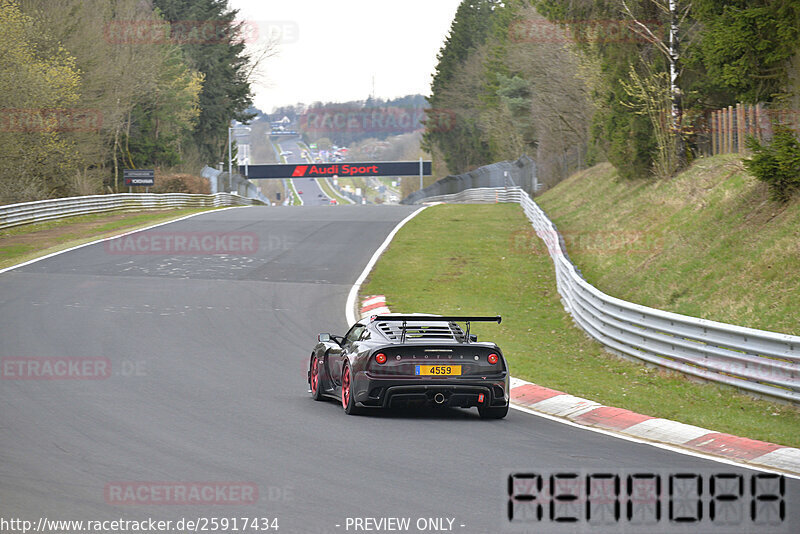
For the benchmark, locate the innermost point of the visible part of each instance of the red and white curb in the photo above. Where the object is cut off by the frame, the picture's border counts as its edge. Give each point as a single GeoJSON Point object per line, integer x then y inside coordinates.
{"type": "Point", "coordinates": [655, 429]}
{"type": "Point", "coordinates": [373, 305]}
{"type": "Point", "coordinates": [619, 421]}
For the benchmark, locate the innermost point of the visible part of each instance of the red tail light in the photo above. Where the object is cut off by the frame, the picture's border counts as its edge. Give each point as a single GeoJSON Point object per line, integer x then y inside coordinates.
{"type": "Point", "coordinates": [380, 357]}
{"type": "Point", "coordinates": [493, 358]}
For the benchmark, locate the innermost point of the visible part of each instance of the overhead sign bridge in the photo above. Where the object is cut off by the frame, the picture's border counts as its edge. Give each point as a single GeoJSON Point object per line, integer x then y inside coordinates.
{"type": "Point", "coordinates": [344, 170]}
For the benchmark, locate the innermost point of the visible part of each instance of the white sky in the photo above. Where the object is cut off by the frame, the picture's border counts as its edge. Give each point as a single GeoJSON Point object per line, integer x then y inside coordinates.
{"type": "Point", "coordinates": [331, 49]}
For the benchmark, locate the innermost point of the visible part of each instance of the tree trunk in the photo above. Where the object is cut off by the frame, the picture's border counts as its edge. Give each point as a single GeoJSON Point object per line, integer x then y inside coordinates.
{"type": "Point", "coordinates": [116, 163]}
{"type": "Point", "coordinates": [675, 92]}
{"type": "Point", "coordinates": [128, 138]}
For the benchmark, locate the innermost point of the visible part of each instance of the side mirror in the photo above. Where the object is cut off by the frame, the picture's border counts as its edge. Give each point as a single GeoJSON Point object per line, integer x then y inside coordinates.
{"type": "Point", "coordinates": [473, 338]}
{"type": "Point", "coordinates": [324, 338]}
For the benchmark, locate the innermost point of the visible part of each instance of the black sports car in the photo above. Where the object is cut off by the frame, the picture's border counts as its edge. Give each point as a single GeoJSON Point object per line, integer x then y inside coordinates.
{"type": "Point", "coordinates": [411, 360]}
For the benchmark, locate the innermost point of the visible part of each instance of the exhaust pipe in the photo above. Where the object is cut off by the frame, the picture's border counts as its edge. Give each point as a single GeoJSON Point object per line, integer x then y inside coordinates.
{"type": "Point", "coordinates": [438, 398]}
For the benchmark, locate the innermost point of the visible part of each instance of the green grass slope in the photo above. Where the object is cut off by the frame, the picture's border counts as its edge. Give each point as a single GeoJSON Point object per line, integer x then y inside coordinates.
{"type": "Point", "coordinates": [708, 243]}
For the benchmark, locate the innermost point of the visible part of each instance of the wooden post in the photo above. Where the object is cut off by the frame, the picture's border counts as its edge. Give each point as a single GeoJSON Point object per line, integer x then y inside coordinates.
{"type": "Point", "coordinates": [730, 129]}
{"type": "Point", "coordinates": [766, 120]}
{"type": "Point", "coordinates": [737, 110]}
{"type": "Point", "coordinates": [759, 129]}
{"type": "Point", "coordinates": [740, 128]}
{"type": "Point", "coordinates": [724, 131]}
{"type": "Point", "coordinates": [712, 126]}
{"type": "Point", "coordinates": [745, 123]}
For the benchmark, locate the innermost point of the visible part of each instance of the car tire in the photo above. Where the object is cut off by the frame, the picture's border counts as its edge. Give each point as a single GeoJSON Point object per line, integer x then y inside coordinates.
{"type": "Point", "coordinates": [493, 412]}
{"type": "Point", "coordinates": [348, 403]}
{"type": "Point", "coordinates": [315, 377]}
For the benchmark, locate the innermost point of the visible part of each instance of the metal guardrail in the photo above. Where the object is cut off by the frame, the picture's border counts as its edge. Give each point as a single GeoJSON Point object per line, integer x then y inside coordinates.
{"type": "Point", "coordinates": [352, 197]}
{"type": "Point", "coordinates": [57, 208]}
{"type": "Point", "coordinates": [237, 184]}
{"type": "Point", "coordinates": [520, 173]}
{"type": "Point", "coordinates": [761, 362]}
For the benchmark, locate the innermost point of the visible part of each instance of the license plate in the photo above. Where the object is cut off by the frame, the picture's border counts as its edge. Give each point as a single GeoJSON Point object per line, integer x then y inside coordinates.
{"type": "Point", "coordinates": [438, 370]}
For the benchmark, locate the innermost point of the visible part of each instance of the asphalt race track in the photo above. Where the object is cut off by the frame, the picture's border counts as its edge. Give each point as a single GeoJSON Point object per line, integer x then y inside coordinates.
{"type": "Point", "coordinates": [208, 357]}
{"type": "Point", "coordinates": [309, 186]}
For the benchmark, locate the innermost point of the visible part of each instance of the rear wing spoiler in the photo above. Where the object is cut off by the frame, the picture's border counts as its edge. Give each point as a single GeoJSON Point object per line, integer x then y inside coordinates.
{"type": "Point", "coordinates": [437, 318]}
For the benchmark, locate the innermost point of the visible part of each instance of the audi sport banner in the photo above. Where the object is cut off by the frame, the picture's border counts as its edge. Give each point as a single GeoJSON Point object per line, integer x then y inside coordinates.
{"type": "Point", "coordinates": [329, 170]}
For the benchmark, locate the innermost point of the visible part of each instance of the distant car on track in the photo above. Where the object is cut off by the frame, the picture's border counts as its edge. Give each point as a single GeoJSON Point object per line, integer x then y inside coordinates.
{"type": "Point", "coordinates": [397, 360]}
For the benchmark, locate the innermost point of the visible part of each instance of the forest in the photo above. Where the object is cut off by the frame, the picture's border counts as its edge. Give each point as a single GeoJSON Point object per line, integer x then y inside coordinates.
{"type": "Point", "coordinates": [90, 87]}
{"type": "Point", "coordinates": [576, 82]}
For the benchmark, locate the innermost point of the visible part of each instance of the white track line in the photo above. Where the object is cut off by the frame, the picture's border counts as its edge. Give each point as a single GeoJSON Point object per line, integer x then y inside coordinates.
{"type": "Point", "coordinates": [673, 448]}
{"type": "Point", "coordinates": [113, 237]}
{"type": "Point", "coordinates": [350, 306]}
{"type": "Point", "coordinates": [332, 189]}
{"type": "Point", "coordinates": [294, 191]}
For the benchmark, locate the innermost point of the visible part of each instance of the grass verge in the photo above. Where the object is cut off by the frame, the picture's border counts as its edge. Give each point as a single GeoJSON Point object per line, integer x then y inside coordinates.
{"type": "Point", "coordinates": [296, 200]}
{"type": "Point", "coordinates": [331, 192]}
{"type": "Point", "coordinates": [491, 266]}
{"type": "Point", "coordinates": [277, 150]}
{"type": "Point", "coordinates": [357, 183]}
{"type": "Point", "coordinates": [23, 243]}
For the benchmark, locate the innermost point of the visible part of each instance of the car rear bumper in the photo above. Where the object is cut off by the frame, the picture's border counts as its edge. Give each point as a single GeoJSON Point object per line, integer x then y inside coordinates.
{"type": "Point", "coordinates": [453, 392]}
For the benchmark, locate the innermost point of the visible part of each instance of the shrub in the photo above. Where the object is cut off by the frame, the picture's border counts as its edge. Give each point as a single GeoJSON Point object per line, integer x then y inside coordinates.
{"type": "Point", "coordinates": [180, 183]}
{"type": "Point", "coordinates": [777, 163]}
{"type": "Point", "coordinates": [172, 185]}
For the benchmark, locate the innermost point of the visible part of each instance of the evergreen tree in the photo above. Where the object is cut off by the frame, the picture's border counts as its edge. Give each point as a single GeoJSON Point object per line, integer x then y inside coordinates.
{"type": "Point", "coordinates": [746, 46]}
{"type": "Point", "coordinates": [459, 140]}
{"type": "Point", "coordinates": [226, 93]}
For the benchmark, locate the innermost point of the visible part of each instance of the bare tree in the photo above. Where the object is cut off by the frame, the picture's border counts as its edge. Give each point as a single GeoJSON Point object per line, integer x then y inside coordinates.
{"type": "Point", "coordinates": [670, 50]}
{"type": "Point", "coordinates": [560, 105]}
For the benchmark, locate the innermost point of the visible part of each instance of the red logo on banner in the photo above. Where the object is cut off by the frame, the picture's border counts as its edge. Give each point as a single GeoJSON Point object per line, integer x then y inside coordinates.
{"type": "Point", "coordinates": [300, 170]}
